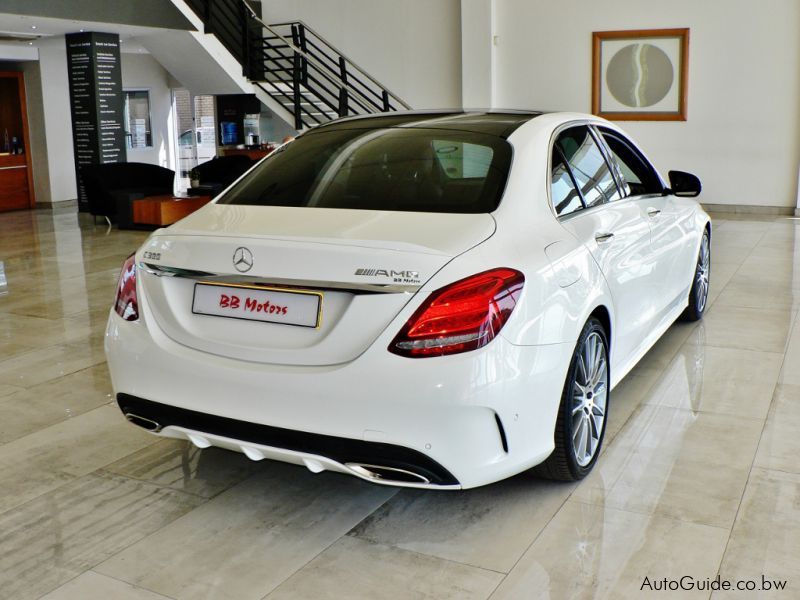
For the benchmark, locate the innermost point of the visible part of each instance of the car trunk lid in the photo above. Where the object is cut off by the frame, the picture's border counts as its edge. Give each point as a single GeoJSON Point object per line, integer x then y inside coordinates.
{"type": "Point", "coordinates": [347, 272]}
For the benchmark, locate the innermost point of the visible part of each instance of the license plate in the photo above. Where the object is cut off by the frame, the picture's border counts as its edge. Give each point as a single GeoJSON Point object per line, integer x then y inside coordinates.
{"type": "Point", "coordinates": [269, 305]}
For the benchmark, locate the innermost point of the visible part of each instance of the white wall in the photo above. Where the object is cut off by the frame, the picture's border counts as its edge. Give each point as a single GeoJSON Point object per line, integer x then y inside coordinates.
{"type": "Point", "coordinates": [413, 47]}
{"type": "Point", "coordinates": [143, 72]}
{"type": "Point", "coordinates": [57, 120]}
{"type": "Point", "coordinates": [36, 131]}
{"type": "Point", "coordinates": [476, 53]}
{"type": "Point", "coordinates": [742, 136]}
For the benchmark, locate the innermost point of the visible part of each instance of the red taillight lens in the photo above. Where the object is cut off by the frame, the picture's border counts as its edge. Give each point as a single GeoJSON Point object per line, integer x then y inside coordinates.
{"type": "Point", "coordinates": [462, 316]}
{"type": "Point", "coordinates": [126, 303]}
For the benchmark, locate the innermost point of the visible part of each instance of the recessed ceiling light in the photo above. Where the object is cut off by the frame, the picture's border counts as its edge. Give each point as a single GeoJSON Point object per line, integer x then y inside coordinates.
{"type": "Point", "coordinates": [81, 30]}
{"type": "Point", "coordinates": [33, 26]}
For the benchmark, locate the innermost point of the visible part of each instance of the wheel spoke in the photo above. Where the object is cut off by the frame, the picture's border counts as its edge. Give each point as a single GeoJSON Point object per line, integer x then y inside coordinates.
{"type": "Point", "coordinates": [598, 420]}
{"type": "Point", "coordinates": [577, 431]}
{"type": "Point", "coordinates": [587, 368]}
{"type": "Point", "coordinates": [600, 373]}
{"type": "Point", "coordinates": [592, 445]}
{"type": "Point", "coordinates": [582, 370]}
{"type": "Point", "coordinates": [588, 357]}
{"type": "Point", "coordinates": [600, 399]}
{"type": "Point", "coordinates": [584, 438]}
{"type": "Point", "coordinates": [599, 388]}
{"type": "Point", "coordinates": [598, 363]}
{"type": "Point", "coordinates": [594, 437]}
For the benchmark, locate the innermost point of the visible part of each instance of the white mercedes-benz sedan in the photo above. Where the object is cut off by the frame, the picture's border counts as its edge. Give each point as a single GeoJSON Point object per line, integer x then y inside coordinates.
{"type": "Point", "coordinates": [424, 299]}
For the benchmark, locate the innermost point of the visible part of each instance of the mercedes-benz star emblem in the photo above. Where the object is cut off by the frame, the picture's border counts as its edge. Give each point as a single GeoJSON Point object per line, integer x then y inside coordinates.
{"type": "Point", "coordinates": [243, 259]}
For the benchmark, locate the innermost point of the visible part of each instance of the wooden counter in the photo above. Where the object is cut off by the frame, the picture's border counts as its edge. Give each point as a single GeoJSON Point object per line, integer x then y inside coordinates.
{"type": "Point", "coordinates": [165, 210]}
{"type": "Point", "coordinates": [14, 190]}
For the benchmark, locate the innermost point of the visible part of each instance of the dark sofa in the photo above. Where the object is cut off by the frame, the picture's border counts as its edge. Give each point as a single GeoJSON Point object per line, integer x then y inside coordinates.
{"type": "Point", "coordinates": [218, 173]}
{"type": "Point", "coordinates": [112, 188]}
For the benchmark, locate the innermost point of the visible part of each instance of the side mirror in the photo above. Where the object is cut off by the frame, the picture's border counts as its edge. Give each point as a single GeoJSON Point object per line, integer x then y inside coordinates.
{"type": "Point", "coordinates": [684, 185]}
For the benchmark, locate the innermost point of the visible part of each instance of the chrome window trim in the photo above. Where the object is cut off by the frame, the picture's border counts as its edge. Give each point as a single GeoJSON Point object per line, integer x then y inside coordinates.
{"type": "Point", "coordinates": [358, 288]}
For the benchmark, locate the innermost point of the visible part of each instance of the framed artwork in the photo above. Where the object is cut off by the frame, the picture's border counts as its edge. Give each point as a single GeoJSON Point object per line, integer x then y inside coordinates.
{"type": "Point", "coordinates": [640, 75]}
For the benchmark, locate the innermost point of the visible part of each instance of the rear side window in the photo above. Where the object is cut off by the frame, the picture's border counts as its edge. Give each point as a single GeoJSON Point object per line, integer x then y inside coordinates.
{"type": "Point", "coordinates": [393, 169]}
{"type": "Point", "coordinates": [588, 165]}
{"type": "Point", "coordinates": [639, 177]}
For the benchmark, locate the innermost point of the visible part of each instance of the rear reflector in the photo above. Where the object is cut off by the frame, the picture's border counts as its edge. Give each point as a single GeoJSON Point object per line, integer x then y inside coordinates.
{"type": "Point", "coordinates": [462, 316]}
{"type": "Point", "coordinates": [126, 303]}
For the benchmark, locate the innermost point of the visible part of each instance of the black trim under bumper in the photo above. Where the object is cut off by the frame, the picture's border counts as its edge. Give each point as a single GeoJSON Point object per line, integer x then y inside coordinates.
{"type": "Point", "coordinates": [342, 450]}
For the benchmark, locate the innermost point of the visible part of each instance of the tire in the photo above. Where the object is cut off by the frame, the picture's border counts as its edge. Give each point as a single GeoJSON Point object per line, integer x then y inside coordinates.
{"type": "Point", "coordinates": [580, 426]}
{"type": "Point", "coordinates": [698, 295]}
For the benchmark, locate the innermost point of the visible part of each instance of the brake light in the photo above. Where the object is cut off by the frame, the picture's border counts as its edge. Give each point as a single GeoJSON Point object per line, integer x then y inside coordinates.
{"type": "Point", "coordinates": [126, 303]}
{"type": "Point", "coordinates": [462, 316]}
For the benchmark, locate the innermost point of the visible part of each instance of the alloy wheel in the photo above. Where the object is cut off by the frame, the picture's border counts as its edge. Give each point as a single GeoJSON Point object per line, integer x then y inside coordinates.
{"type": "Point", "coordinates": [702, 274]}
{"type": "Point", "coordinates": [589, 396]}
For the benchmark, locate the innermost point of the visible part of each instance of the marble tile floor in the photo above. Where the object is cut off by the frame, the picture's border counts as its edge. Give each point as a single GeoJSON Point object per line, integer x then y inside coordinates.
{"type": "Point", "coordinates": [700, 475]}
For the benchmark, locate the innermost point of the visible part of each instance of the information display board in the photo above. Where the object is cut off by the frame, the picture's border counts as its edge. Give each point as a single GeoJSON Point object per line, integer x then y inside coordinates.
{"type": "Point", "coordinates": [97, 101]}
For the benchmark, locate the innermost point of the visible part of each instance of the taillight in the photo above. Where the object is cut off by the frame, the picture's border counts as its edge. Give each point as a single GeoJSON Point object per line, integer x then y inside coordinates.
{"type": "Point", "coordinates": [462, 316]}
{"type": "Point", "coordinates": [126, 303]}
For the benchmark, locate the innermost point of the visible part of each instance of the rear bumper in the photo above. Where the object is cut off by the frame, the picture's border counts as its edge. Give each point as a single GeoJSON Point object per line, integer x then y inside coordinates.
{"type": "Point", "coordinates": [264, 441]}
{"type": "Point", "coordinates": [462, 421]}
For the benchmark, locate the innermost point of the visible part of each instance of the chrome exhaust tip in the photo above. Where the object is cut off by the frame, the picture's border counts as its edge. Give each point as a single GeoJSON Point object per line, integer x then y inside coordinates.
{"type": "Point", "coordinates": [143, 422]}
{"type": "Point", "coordinates": [390, 475]}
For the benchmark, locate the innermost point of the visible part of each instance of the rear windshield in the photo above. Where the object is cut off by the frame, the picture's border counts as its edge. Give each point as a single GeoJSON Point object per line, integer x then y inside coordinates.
{"type": "Point", "coordinates": [427, 170]}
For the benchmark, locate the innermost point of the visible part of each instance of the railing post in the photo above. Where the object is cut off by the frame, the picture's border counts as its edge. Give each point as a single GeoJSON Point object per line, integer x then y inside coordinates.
{"type": "Point", "coordinates": [301, 31]}
{"type": "Point", "coordinates": [246, 67]}
{"type": "Point", "coordinates": [207, 28]}
{"type": "Point", "coordinates": [298, 118]}
{"type": "Point", "coordinates": [385, 96]}
{"type": "Point", "coordinates": [343, 94]}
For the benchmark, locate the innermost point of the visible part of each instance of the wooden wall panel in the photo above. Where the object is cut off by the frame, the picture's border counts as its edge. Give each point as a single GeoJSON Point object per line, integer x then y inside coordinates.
{"type": "Point", "coordinates": [16, 176]}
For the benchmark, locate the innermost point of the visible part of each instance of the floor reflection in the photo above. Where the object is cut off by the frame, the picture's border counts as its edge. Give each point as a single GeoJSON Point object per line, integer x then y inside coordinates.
{"type": "Point", "coordinates": [699, 474]}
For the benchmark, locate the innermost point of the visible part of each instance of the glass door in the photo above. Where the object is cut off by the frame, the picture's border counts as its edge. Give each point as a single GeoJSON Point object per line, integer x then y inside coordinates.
{"type": "Point", "coordinates": [196, 125]}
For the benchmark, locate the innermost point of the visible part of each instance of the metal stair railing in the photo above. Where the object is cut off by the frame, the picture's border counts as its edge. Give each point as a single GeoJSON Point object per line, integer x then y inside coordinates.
{"type": "Point", "coordinates": [374, 94]}
{"type": "Point", "coordinates": [295, 65]}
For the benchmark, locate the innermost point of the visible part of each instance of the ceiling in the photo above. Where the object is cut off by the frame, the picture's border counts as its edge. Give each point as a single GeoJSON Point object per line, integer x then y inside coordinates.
{"type": "Point", "coordinates": [27, 30]}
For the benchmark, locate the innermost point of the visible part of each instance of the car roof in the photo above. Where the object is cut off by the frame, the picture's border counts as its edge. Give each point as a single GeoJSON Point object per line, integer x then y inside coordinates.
{"type": "Point", "coordinates": [501, 123]}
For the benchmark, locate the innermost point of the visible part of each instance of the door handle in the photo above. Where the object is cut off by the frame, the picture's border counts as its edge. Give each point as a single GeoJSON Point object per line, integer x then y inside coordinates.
{"type": "Point", "coordinates": [601, 238]}
{"type": "Point", "coordinates": [653, 212]}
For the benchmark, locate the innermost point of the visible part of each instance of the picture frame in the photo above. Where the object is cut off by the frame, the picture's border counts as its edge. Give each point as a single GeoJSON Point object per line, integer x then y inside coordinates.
{"type": "Point", "coordinates": [640, 75]}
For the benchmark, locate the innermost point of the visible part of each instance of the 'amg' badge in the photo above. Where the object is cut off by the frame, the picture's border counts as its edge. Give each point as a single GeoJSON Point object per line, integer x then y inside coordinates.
{"type": "Point", "coordinates": [243, 259]}
{"type": "Point", "coordinates": [396, 276]}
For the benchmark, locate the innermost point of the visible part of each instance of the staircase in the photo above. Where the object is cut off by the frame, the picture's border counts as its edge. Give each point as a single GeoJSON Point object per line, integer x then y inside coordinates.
{"type": "Point", "coordinates": [294, 65]}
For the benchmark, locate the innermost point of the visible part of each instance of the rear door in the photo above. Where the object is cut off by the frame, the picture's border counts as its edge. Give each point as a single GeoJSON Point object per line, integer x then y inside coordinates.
{"type": "Point", "coordinates": [617, 233]}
